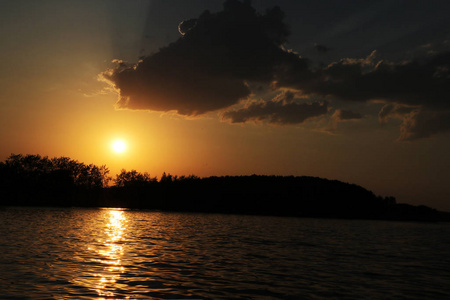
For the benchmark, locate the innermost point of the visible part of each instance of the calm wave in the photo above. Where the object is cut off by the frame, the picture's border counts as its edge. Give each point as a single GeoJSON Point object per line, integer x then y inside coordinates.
{"type": "Point", "coordinates": [122, 254]}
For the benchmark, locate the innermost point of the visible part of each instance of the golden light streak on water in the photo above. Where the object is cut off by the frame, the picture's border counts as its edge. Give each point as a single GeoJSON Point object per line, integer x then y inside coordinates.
{"type": "Point", "coordinates": [111, 252]}
{"type": "Point", "coordinates": [71, 253]}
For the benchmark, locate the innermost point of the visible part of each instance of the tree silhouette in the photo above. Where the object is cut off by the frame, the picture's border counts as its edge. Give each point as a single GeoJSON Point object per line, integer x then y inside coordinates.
{"type": "Point", "coordinates": [133, 178]}
{"type": "Point", "coordinates": [61, 181]}
{"type": "Point", "coordinates": [33, 179]}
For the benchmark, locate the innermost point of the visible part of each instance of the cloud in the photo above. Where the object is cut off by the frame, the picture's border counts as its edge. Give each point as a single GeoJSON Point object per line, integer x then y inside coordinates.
{"type": "Point", "coordinates": [281, 110]}
{"type": "Point", "coordinates": [423, 81]}
{"type": "Point", "coordinates": [417, 122]}
{"type": "Point", "coordinates": [220, 57]}
{"type": "Point", "coordinates": [346, 115]}
{"type": "Point", "coordinates": [415, 91]}
{"type": "Point", "coordinates": [423, 124]}
{"type": "Point", "coordinates": [340, 115]}
{"type": "Point", "coordinates": [186, 25]}
{"type": "Point", "coordinates": [390, 111]}
{"type": "Point", "coordinates": [208, 68]}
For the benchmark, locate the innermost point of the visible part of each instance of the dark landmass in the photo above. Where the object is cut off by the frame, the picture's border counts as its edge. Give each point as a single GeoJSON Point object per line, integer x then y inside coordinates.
{"type": "Point", "coordinates": [32, 180]}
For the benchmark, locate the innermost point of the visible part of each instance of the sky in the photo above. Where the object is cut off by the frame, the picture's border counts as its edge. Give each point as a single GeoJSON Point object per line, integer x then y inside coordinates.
{"type": "Point", "coordinates": [356, 91]}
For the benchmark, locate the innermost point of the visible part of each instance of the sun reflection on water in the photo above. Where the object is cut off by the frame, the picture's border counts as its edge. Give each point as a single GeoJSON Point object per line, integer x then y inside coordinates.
{"type": "Point", "coordinates": [111, 252]}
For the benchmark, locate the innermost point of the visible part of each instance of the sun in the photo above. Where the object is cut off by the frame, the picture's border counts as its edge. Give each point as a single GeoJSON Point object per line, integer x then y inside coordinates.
{"type": "Point", "coordinates": [119, 146]}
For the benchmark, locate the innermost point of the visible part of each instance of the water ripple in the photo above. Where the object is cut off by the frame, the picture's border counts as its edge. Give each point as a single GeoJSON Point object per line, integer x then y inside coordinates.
{"type": "Point", "coordinates": [121, 254]}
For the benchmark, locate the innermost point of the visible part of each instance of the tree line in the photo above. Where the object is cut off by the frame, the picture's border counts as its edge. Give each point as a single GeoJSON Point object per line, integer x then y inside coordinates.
{"type": "Point", "coordinates": [41, 181]}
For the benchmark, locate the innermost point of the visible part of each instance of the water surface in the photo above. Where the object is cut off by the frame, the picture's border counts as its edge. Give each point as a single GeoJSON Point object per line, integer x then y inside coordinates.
{"type": "Point", "coordinates": [123, 254]}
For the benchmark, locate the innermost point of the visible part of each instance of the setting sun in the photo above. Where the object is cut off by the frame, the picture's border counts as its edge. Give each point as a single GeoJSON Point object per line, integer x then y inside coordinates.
{"type": "Point", "coordinates": [157, 149]}
{"type": "Point", "coordinates": [119, 146]}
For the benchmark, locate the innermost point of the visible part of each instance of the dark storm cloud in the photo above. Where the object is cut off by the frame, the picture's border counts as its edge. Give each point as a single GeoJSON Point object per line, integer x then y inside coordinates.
{"type": "Point", "coordinates": [281, 110]}
{"type": "Point", "coordinates": [207, 69]}
{"type": "Point", "coordinates": [416, 91]}
{"type": "Point", "coordinates": [418, 82]}
{"type": "Point", "coordinates": [222, 55]}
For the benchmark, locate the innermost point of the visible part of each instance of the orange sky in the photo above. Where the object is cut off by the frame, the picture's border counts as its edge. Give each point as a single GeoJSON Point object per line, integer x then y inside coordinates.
{"type": "Point", "coordinates": [51, 103]}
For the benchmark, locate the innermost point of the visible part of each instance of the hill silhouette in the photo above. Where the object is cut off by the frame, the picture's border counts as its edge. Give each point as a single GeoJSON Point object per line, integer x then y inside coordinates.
{"type": "Point", "coordinates": [32, 180]}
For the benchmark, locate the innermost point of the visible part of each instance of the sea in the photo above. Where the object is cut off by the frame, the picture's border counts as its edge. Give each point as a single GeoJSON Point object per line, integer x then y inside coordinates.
{"type": "Point", "coordinates": [77, 253]}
